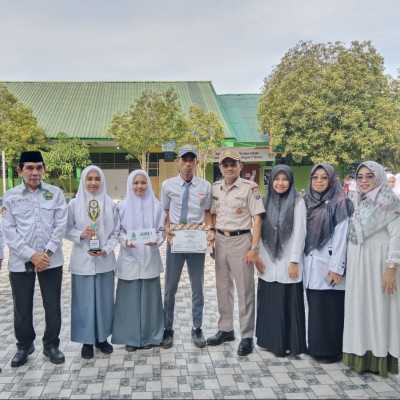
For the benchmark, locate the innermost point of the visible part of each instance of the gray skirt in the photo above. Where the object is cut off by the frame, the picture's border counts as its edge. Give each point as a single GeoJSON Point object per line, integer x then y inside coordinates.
{"type": "Point", "coordinates": [139, 314]}
{"type": "Point", "coordinates": [92, 307]}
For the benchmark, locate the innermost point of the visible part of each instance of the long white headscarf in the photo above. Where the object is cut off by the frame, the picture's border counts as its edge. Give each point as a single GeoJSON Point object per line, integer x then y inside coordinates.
{"type": "Point", "coordinates": [141, 212]}
{"type": "Point", "coordinates": [396, 188]}
{"type": "Point", "coordinates": [105, 222]}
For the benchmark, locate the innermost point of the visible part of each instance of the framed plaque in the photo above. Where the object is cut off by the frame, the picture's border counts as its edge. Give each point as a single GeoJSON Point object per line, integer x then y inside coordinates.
{"type": "Point", "coordinates": [191, 238]}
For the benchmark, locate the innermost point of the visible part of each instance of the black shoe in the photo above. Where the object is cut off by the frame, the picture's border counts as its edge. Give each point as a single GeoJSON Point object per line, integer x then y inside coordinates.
{"type": "Point", "coordinates": [147, 347]}
{"type": "Point", "coordinates": [104, 347]}
{"type": "Point", "coordinates": [198, 338]}
{"type": "Point", "coordinates": [128, 347]}
{"type": "Point", "coordinates": [87, 351]}
{"type": "Point", "coordinates": [221, 337]}
{"type": "Point", "coordinates": [168, 339]}
{"type": "Point", "coordinates": [245, 347]}
{"type": "Point", "coordinates": [54, 354]}
{"type": "Point", "coordinates": [21, 356]}
{"type": "Point", "coordinates": [329, 360]}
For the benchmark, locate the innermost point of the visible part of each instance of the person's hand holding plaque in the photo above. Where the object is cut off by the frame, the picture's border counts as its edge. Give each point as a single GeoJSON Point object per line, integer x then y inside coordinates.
{"type": "Point", "coordinates": [130, 244]}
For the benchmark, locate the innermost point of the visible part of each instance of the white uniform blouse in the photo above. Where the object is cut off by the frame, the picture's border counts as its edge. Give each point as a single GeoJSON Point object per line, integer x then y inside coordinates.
{"type": "Point", "coordinates": [332, 257]}
{"type": "Point", "coordinates": [293, 252]}
{"type": "Point", "coordinates": [1, 242]}
{"type": "Point", "coordinates": [129, 268]}
{"type": "Point", "coordinates": [81, 263]}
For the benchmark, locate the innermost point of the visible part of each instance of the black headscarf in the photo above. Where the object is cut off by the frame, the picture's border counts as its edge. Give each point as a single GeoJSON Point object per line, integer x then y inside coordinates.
{"type": "Point", "coordinates": [277, 221]}
{"type": "Point", "coordinates": [325, 210]}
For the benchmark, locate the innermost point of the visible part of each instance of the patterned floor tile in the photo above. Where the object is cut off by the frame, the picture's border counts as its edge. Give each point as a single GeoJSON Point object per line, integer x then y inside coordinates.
{"type": "Point", "coordinates": [182, 372]}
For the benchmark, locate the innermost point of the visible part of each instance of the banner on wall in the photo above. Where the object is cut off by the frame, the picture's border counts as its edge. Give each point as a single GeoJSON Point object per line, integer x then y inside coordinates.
{"type": "Point", "coordinates": [250, 154]}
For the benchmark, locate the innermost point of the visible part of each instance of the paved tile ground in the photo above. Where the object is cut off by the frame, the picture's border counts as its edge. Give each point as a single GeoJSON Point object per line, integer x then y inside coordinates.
{"type": "Point", "coordinates": [182, 372]}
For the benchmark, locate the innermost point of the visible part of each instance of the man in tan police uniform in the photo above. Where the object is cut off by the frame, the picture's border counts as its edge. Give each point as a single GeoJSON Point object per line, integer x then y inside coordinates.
{"type": "Point", "coordinates": [236, 207]}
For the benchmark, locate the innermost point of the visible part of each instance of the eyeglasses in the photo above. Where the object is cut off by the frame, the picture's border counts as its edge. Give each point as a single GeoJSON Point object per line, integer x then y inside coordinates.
{"type": "Point", "coordinates": [367, 177]}
{"type": "Point", "coordinates": [316, 178]}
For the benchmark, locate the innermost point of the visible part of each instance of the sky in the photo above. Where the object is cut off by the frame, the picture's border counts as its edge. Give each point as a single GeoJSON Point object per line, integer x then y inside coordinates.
{"type": "Point", "coordinates": [233, 43]}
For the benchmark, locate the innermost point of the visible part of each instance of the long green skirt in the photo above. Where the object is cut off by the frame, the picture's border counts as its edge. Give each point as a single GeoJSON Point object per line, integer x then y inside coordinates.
{"type": "Point", "coordinates": [368, 362]}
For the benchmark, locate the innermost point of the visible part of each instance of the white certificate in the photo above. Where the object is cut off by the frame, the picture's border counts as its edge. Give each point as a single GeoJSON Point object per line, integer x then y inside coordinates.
{"type": "Point", "coordinates": [142, 236]}
{"type": "Point", "coordinates": [189, 241]}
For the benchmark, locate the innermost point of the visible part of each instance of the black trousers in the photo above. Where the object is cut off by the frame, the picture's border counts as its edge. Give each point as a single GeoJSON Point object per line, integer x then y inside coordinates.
{"type": "Point", "coordinates": [22, 287]}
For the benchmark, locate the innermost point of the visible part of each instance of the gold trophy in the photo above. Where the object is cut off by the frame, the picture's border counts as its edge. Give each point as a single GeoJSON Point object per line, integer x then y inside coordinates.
{"type": "Point", "coordinates": [94, 212]}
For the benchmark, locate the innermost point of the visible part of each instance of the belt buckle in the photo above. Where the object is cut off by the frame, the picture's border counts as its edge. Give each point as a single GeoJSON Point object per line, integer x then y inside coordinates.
{"type": "Point", "coordinates": [227, 234]}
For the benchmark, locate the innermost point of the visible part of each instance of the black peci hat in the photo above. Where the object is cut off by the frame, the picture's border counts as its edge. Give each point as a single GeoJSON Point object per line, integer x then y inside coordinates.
{"type": "Point", "coordinates": [30, 156]}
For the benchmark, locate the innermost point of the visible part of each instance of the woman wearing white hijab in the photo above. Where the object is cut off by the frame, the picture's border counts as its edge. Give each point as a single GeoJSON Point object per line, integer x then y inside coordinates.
{"type": "Point", "coordinates": [371, 339]}
{"type": "Point", "coordinates": [139, 315]}
{"type": "Point", "coordinates": [396, 188]}
{"type": "Point", "coordinates": [391, 180]}
{"type": "Point", "coordinates": [92, 281]}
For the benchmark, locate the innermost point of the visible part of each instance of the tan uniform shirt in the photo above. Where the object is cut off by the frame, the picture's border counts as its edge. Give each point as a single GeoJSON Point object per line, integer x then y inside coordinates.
{"type": "Point", "coordinates": [236, 204]}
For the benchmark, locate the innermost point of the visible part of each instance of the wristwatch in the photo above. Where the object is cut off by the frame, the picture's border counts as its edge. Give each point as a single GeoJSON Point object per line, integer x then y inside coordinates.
{"type": "Point", "coordinates": [48, 252]}
{"type": "Point", "coordinates": [256, 249]}
{"type": "Point", "coordinates": [391, 265]}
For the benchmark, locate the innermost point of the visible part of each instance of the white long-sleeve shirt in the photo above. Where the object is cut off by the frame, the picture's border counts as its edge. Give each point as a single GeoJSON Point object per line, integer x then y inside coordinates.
{"type": "Point", "coordinates": [32, 222]}
{"type": "Point", "coordinates": [332, 257]}
{"type": "Point", "coordinates": [293, 252]}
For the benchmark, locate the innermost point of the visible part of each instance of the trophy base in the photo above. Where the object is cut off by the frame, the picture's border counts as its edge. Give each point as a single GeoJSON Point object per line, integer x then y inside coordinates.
{"type": "Point", "coordinates": [94, 245]}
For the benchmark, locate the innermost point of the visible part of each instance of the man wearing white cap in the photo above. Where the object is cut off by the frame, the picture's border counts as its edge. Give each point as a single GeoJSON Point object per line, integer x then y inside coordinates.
{"type": "Point", "coordinates": [186, 200]}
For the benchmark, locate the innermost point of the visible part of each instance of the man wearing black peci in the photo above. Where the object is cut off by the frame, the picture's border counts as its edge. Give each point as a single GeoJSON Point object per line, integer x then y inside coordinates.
{"type": "Point", "coordinates": [34, 218]}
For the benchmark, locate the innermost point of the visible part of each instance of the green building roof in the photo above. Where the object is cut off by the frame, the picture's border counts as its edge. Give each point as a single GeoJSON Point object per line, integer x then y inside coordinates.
{"type": "Point", "coordinates": [240, 114]}
{"type": "Point", "coordinates": [85, 109]}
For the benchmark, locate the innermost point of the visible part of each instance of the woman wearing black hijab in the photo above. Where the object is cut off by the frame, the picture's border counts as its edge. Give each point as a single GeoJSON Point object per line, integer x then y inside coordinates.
{"type": "Point", "coordinates": [280, 326]}
{"type": "Point", "coordinates": [328, 213]}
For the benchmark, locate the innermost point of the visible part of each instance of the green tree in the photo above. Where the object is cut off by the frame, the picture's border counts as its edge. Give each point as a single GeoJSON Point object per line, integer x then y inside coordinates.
{"type": "Point", "coordinates": [205, 133]}
{"type": "Point", "coordinates": [152, 119]}
{"type": "Point", "coordinates": [64, 157]}
{"type": "Point", "coordinates": [330, 103]}
{"type": "Point", "coordinates": [390, 153]}
{"type": "Point", "coordinates": [19, 130]}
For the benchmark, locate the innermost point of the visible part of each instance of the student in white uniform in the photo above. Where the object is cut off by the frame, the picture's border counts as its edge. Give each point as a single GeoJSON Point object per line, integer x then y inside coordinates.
{"type": "Point", "coordinates": [34, 219]}
{"type": "Point", "coordinates": [280, 326]}
{"type": "Point", "coordinates": [328, 212]}
{"type": "Point", "coordinates": [139, 314]}
{"type": "Point", "coordinates": [1, 245]}
{"type": "Point", "coordinates": [396, 188]}
{"type": "Point", "coordinates": [92, 279]}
